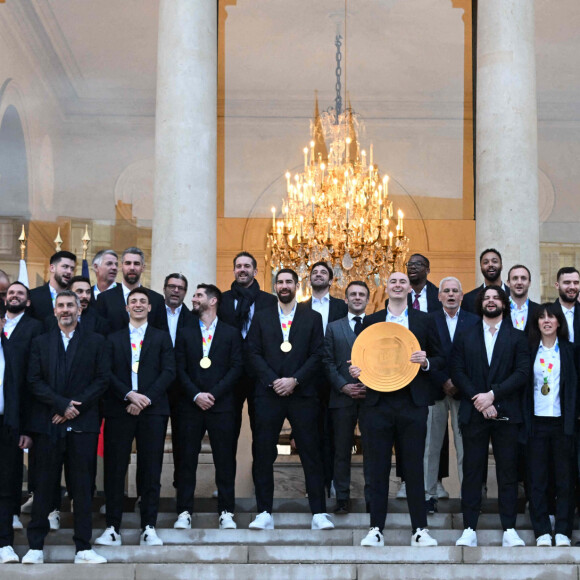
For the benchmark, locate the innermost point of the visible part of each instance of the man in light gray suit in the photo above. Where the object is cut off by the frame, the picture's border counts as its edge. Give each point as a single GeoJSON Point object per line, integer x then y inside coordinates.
{"type": "Point", "coordinates": [346, 395]}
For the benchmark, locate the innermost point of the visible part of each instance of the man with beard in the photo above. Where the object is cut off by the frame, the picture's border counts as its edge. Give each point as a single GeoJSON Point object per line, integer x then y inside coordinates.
{"type": "Point", "coordinates": [238, 307]}
{"type": "Point", "coordinates": [284, 347]}
{"type": "Point", "coordinates": [521, 307]}
{"type": "Point", "coordinates": [568, 286]}
{"type": "Point", "coordinates": [69, 371]}
{"type": "Point", "coordinates": [491, 267]}
{"type": "Point", "coordinates": [490, 367]}
{"type": "Point", "coordinates": [17, 335]}
{"type": "Point", "coordinates": [209, 363]}
{"type": "Point", "coordinates": [400, 415]}
{"type": "Point", "coordinates": [105, 266]}
{"type": "Point", "coordinates": [4, 283]}
{"type": "Point", "coordinates": [112, 304]}
{"type": "Point", "coordinates": [42, 299]}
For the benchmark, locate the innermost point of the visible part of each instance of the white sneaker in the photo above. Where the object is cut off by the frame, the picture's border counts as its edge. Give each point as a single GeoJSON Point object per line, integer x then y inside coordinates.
{"type": "Point", "coordinates": [468, 538]}
{"type": "Point", "coordinates": [263, 521]}
{"type": "Point", "coordinates": [109, 538]}
{"type": "Point", "coordinates": [545, 540]}
{"type": "Point", "coordinates": [33, 557]}
{"type": "Point", "coordinates": [226, 521]}
{"type": "Point", "coordinates": [149, 537]}
{"type": "Point", "coordinates": [16, 523]}
{"type": "Point", "coordinates": [89, 557]}
{"type": "Point", "coordinates": [183, 521]}
{"type": "Point", "coordinates": [103, 509]}
{"type": "Point", "coordinates": [562, 541]}
{"type": "Point", "coordinates": [511, 539]}
{"type": "Point", "coordinates": [402, 493]}
{"type": "Point", "coordinates": [8, 555]}
{"type": "Point", "coordinates": [321, 522]}
{"type": "Point", "coordinates": [442, 493]}
{"type": "Point", "coordinates": [373, 539]}
{"type": "Point", "coordinates": [54, 520]}
{"type": "Point", "coordinates": [26, 507]}
{"type": "Point", "coordinates": [422, 539]}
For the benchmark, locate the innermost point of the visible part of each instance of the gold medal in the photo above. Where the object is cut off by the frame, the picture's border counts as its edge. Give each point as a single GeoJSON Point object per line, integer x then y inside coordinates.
{"type": "Point", "coordinates": [286, 346]}
{"type": "Point", "coordinates": [205, 362]}
{"type": "Point", "coordinates": [545, 387]}
{"type": "Point", "coordinates": [135, 367]}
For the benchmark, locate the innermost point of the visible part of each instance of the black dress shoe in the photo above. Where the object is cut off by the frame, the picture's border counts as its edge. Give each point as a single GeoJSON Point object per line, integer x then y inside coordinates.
{"type": "Point", "coordinates": [431, 505]}
{"type": "Point", "coordinates": [342, 507]}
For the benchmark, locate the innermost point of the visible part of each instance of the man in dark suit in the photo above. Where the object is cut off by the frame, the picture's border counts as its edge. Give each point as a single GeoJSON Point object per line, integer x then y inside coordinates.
{"type": "Point", "coordinates": [68, 372]}
{"type": "Point", "coordinates": [424, 295]}
{"type": "Point", "coordinates": [42, 299]}
{"type": "Point", "coordinates": [237, 308]}
{"type": "Point", "coordinates": [15, 339]}
{"type": "Point", "coordinates": [451, 321]}
{"type": "Point", "coordinates": [346, 396]}
{"type": "Point", "coordinates": [19, 331]}
{"type": "Point", "coordinates": [522, 309]}
{"type": "Point", "coordinates": [209, 362]}
{"type": "Point", "coordinates": [490, 366]}
{"type": "Point", "coordinates": [283, 348]}
{"type": "Point", "coordinates": [136, 407]}
{"type": "Point", "coordinates": [105, 266]}
{"type": "Point", "coordinates": [400, 415]}
{"type": "Point", "coordinates": [112, 304]}
{"type": "Point", "coordinates": [491, 266]}
{"type": "Point", "coordinates": [568, 286]}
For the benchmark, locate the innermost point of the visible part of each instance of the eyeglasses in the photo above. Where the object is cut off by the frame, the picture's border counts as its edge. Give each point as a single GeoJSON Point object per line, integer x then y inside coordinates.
{"type": "Point", "coordinates": [175, 287]}
{"type": "Point", "coordinates": [415, 265]}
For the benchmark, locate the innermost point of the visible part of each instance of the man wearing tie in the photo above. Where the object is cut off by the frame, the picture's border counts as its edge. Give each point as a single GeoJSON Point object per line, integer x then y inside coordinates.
{"type": "Point", "coordinates": [568, 286]}
{"type": "Point", "coordinates": [209, 363]}
{"type": "Point", "coordinates": [451, 321]}
{"type": "Point", "coordinates": [136, 407]}
{"type": "Point", "coordinates": [490, 367]}
{"type": "Point", "coordinates": [346, 396]}
{"type": "Point", "coordinates": [284, 349]}
{"type": "Point", "coordinates": [424, 295]}
{"type": "Point", "coordinates": [522, 309]}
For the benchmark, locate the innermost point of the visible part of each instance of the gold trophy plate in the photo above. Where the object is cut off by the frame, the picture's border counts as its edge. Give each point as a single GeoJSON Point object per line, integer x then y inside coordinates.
{"type": "Point", "coordinates": [382, 352]}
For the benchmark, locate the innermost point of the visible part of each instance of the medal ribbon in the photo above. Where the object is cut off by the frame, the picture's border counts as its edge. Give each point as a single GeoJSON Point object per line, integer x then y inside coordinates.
{"type": "Point", "coordinates": [136, 351]}
{"type": "Point", "coordinates": [207, 335]}
{"type": "Point", "coordinates": [286, 322]}
{"type": "Point", "coordinates": [519, 322]}
{"type": "Point", "coordinates": [547, 371]}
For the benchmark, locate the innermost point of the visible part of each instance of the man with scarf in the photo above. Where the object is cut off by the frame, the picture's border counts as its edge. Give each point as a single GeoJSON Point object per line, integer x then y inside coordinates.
{"type": "Point", "coordinates": [238, 307]}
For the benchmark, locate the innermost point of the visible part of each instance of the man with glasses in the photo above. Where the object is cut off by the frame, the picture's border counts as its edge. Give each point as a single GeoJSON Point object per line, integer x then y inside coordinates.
{"type": "Point", "coordinates": [424, 295]}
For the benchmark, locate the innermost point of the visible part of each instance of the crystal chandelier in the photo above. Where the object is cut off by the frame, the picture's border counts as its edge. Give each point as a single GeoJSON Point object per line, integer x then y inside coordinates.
{"type": "Point", "coordinates": [337, 209]}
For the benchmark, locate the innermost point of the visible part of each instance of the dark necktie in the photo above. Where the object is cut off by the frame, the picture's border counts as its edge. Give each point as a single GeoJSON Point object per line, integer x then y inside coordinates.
{"type": "Point", "coordinates": [416, 304]}
{"type": "Point", "coordinates": [357, 324]}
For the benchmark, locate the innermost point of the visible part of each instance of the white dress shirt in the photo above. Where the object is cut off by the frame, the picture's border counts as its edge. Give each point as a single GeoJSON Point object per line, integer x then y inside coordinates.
{"type": "Point", "coordinates": [2, 369]}
{"type": "Point", "coordinates": [246, 327]}
{"type": "Point", "coordinates": [422, 298]}
{"type": "Point", "coordinates": [136, 335]}
{"type": "Point", "coordinates": [547, 405]}
{"type": "Point", "coordinates": [351, 319]}
{"type": "Point", "coordinates": [53, 294]}
{"type": "Point", "coordinates": [519, 315]}
{"type": "Point", "coordinates": [490, 339]}
{"type": "Point", "coordinates": [96, 290]}
{"type": "Point", "coordinates": [66, 339]}
{"type": "Point", "coordinates": [451, 322]}
{"type": "Point", "coordinates": [323, 307]}
{"type": "Point", "coordinates": [569, 314]}
{"type": "Point", "coordinates": [172, 320]}
{"type": "Point", "coordinates": [10, 325]}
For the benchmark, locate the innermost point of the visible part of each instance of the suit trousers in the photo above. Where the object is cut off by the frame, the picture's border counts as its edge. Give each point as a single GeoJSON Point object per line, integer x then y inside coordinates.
{"type": "Point", "coordinates": [302, 412]}
{"type": "Point", "coordinates": [549, 446]}
{"type": "Point", "coordinates": [244, 391]}
{"type": "Point", "coordinates": [10, 475]}
{"type": "Point", "coordinates": [436, 426]}
{"type": "Point", "coordinates": [344, 421]}
{"type": "Point", "coordinates": [149, 432]}
{"type": "Point", "coordinates": [76, 451]}
{"type": "Point", "coordinates": [221, 430]}
{"type": "Point", "coordinates": [504, 439]}
{"type": "Point", "coordinates": [395, 416]}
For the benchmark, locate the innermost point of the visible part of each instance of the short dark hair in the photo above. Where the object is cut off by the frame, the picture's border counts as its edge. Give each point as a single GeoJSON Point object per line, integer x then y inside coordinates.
{"type": "Point", "coordinates": [325, 265]}
{"type": "Point", "coordinates": [211, 291]}
{"type": "Point", "coordinates": [520, 266]}
{"type": "Point", "coordinates": [68, 294]}
{"type": "Point", "coordinates": [62, 255]}
{"type": "Point", "coordinates": [357, 283]}
{"type": "Point", "coordinates": [287, 271]}
{"type": "Point", "coordinates": [566, 270]}
{"type": "Point", "coordinates": [246, 255]}
{"type": "Point", "coordinates": [422, 257]}
{"type": "Point", "coordinates": [551, 309]}
{"type": "Point", "coordinates": [139, 290]}
{"type": "Point", "coordinates": [175, 275]}
{"type": "Point", "coordinates": [75, 279]}
{"type": "Point", "coordinates": [502, 296]}
{"type": "Point", "coordinates": [490, 250]}
{"type": "Point", "coordinates": [20, 284]}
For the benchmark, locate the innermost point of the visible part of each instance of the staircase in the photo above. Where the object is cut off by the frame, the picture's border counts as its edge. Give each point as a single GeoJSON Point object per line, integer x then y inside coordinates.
{"type": "Point", "coordinates": [293, 551]}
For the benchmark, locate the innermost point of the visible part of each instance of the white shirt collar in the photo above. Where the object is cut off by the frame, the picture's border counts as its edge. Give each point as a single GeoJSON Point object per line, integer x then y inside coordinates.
{"type": "Point", "coordinates": [351, 316]}
{"type": "Point", "coordinates": [140, 331]}
{"type": "Point", "coordinates": [177, 310]}
{"type": "Point", "coordinates": [452, 317]}
{"type": "Point", "coordinates": [324, 299]}
{"type": "Point", "coordinates": [486, 327]}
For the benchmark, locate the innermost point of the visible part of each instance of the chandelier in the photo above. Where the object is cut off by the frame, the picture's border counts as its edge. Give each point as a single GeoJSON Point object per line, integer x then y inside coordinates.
{"type": "Point", "coordinates": [337, 207]}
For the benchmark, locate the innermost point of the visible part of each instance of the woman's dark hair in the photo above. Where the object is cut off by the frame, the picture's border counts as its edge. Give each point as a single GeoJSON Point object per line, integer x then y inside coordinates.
{"type": "Point", "coordinates": [551, 309]}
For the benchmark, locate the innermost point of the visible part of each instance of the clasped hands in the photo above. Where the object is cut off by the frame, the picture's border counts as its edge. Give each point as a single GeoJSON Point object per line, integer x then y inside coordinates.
{"type": "Point", "coordinates": [285, 386]}
{"type": "Point", "coordinates": [70, 413]}
{"type": "Point", "coordinates": [137, 402]}
{"type": "Point", "coordinates": [483, 402]}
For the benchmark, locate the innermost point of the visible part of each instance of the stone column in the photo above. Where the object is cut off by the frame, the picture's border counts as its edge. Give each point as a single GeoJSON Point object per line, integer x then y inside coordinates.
{"type": "Point", "coordinates": [507, 143]}
{"type": "Point", "coordinates": [184, 222]}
